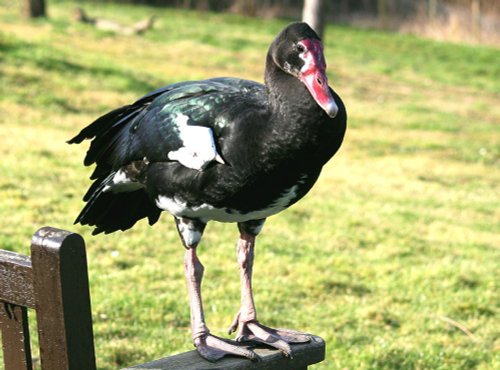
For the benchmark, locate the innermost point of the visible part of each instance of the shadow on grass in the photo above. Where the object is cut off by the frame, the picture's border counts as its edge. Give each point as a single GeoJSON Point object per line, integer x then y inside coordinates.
{"type": "Point", "coordinates": [40, 66]}
{"type": "Point", "coordinates": [131, 82]}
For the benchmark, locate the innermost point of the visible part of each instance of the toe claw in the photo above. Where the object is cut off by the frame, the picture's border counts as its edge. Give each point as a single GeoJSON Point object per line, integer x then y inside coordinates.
{"type": "Point", "coordinates": [234, 325]}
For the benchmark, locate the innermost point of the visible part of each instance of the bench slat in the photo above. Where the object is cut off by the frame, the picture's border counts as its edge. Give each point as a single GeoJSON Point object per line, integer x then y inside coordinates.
{"type": "Point", "coordinates": [15, 337]}
{"type": "Point", "coordinates": [16, 279]}
{"type": "Point", "coordinates": [303, 355]}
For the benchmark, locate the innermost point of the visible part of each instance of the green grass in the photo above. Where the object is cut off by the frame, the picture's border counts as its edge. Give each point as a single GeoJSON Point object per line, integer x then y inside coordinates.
{"type": "Point", "coordinates": [400, 234]}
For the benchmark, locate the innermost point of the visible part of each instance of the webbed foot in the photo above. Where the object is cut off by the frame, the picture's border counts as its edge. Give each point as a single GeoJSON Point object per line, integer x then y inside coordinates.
{"type": "Point", "coordinates": [253, 331]}
{"type": "Point", "coordinates": [213, 348]}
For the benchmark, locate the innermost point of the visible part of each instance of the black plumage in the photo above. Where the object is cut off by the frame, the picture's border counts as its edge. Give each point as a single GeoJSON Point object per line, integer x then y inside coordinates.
{"type": "Point", "coordinates": [263, 155]}
{"type": "Point", "coordinates": [222, 149]}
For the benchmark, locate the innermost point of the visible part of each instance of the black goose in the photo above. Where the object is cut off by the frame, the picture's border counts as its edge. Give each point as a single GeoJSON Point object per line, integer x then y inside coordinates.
{"type": "Point", "coordinates": [223, 149]}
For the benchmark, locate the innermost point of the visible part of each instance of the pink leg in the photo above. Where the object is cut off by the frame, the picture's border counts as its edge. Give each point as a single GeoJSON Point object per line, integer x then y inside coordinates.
{"type": "Point", "coordinates": [245, 253]}
{"type": "Point", "coordinates": [194, 273]}
{"type": "Point", "coordinates": [209, 346]}
{"type": "Point", "coordinates": [245, 324]}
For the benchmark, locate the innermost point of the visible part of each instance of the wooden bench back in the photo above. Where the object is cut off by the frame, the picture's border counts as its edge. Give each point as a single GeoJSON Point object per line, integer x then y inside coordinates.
{"type": "Point", "coordinates": [53, 282]}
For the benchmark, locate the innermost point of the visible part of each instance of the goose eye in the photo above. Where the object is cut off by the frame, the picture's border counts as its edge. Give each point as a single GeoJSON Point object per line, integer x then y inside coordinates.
{"type": "Point", "coordinates": [300, 48]}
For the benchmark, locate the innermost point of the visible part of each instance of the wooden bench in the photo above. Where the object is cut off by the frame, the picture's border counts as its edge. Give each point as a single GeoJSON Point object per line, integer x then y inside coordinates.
{"type": "Point", "coordinates": [54, 283]}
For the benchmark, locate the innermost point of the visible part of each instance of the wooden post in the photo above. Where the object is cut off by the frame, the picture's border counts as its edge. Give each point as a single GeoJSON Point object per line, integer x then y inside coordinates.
{"type": "Point", "coordinates": [476, 18]}
{"type": "Point", "coordinates": [34, 8]}
{"type": "Point", "coordinates": [382, 13]}
{"type": "Point", "coordinates": [432, 9]}
{"type": "Point", "coordinates": [62, 300]}
{"type": "Point", "coordinates": [313, 14]}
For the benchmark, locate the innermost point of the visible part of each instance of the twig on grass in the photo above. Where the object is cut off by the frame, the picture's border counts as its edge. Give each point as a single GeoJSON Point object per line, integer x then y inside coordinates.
{"type": "Point", "coordinates": [459, 326]}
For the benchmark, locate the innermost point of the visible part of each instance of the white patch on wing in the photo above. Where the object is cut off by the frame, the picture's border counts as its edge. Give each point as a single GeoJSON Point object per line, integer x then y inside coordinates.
{"type": "Point", "coordinates": [120, 177]}
{"type": "Point", "coordinates": [198, 147]}
{"type": "Point", "coordinates": [121, 183]}
{"type": "Point", "coordinates": [173, 205]}
{"type": "Point", "coordinates": [206, 212]}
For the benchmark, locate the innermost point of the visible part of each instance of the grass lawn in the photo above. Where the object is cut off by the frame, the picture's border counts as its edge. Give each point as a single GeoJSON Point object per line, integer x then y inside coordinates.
{"type": "Point", "coordinates": [392, 252]}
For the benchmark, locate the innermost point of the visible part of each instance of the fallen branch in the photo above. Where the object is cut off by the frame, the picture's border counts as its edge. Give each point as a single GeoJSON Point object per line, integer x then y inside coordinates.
{"type": "Point", "coordinates": [112, 26]}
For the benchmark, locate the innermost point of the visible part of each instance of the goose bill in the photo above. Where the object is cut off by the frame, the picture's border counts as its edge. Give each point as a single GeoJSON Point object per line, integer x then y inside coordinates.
{"type": "Point", "coordinates": [313, 75]}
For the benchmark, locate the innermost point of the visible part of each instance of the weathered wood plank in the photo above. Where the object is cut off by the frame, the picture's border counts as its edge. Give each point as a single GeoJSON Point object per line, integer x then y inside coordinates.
{"type": "Point", "coordinates": [16, 279]}
{"type": "Point", "coordinates": [303, 355]}
{"type": "Point", "coordinates": [15, 337]}
{"type": "Point", "coordinates": [62, 300]}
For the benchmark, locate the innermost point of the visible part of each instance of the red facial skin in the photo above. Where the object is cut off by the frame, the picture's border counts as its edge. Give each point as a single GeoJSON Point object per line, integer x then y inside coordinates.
{"type": "Point", "coordinates": [313, 75]}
